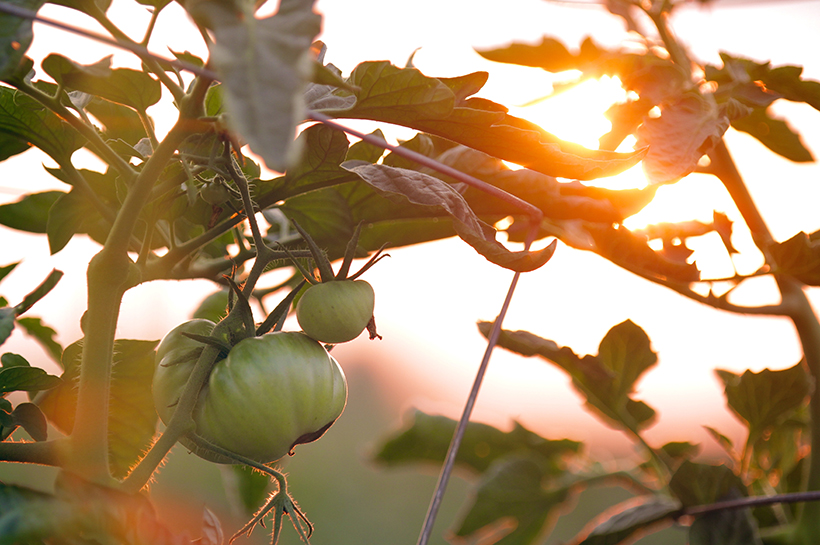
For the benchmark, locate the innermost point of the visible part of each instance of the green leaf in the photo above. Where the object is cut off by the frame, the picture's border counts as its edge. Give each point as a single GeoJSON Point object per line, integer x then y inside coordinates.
{"type": "Point", "coordinates": [701, 484]}
{"type": "Point", "coordinates": [730, 527]}
{"type": "Point", "coordinates": [251, 486]}
{"type": "Point", "coordinates": [10, 359]}
{"type": "Point", "coordinates": [42, 334]}
{"type": "Point", "coordinates": [550, 55]}
{"type": "Point", "coordinates": [213, 308]}
{"type": "Point", "coordinates": [512, 489]}
{"type": "Point", "coordinates": [426, 438]}
{"type": "Point", "coordinates": [71, 214]}
{"type": "Point", "coordinates": [121, 85]}
{"type": "Point", "coordinates": [120, 122]}
{"type": "Point", "coordinates": [606, 380]}
{"type": "Point", "coordinates": [7, 319]}
{"type": "Point", "coordinates": [5, 270]}
{"type": "Point", "coordinates": [325, 215]}
{"type": "Point", "coordinates": [24, 378]}
{"type": "Point", "coordinates": [425, 190]}
{"type": "Point", "coordinates": [29, 213]}
{"type": "Point", "coordinates": [39, 292]}
{"type": "Point", "coordinates": [765, 399]}
{"type": "Point", "coordinates": [16, 33]}
{"type": "Point", "coordinates": [132, 419]}
{"type": "Point", "coordinates": [26, 120]}
{"type": "Point", "coordinates": [687, 129]}
{"type": "Point", "coordinates": [775, 134]}
{"type": "Point", "coordinates": [633, 521]}
{"type": "Point", "coordinates": [31, 418]}
{"type": "Point", "coordinates": [264, 66]}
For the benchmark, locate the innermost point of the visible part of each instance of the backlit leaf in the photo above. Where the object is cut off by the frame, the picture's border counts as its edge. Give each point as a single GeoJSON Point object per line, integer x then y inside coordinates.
{"type": "Point", "coordinates": [39, 292]}
{"type": "Point", "coordinates": [425, 190]}
{"type": "Point", "coordinates": [21, 378]}
{"type": "Point", "coordinates": [764, 399]}
{"type": "Point", "coordinates": [6, 269]}
{"type": "Point", "coordinates": [264, 65]}
{"type": "Point", "coordinates": [30, 212]}
{"type": "Point", "coordinates": [510, 496]}
{"type": "Point", "coordinates": [686, 131]}
{"type": "Point", "coordinates": [119, 122]}
{"type": "Point", "coordinates": [132, 419]}
{"type": "Point", "coordinates": [7, 319]}
{"type": "Point", "coordinates": [43, 334]}
{"type": "Point", "coordinates": [775, 134]}
{"type": "Point", "coordinates": [15, 36]}
{"type": "Point", "coordinates": [31, 418]}
{"type": "Point", "coordinates": [633, 521]}
{"type": "Point", "coordinates": [426, 438]}
{"type": "Point", "coordinates": [550, 55]}
{"type": "Point", "coordinates": [701, 484]}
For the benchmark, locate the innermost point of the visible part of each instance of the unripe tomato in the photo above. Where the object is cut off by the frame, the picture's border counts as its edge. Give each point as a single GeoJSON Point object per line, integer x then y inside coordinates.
{"type": "Point", "coordinates": [336, 311]}
{"type": "Point", "coordinates": [268, 395]}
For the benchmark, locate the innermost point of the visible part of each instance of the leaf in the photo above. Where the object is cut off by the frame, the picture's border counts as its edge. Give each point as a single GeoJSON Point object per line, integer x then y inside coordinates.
{"type": "Point", "coordinates": [251, 486]}
{"type": "Point", "coordinates": [606, 380]}
{"type": "Point", "coordinates": [10, 359]}
{"type": "Point", "coordinates": [511, 489]}
{"type": "Point", "coordinates": [775, 134]}
{"type": "Point", "coordinates": [31, 418]}
{"type": "Point", "coordinates": [71, 214]}
{"type": "Point", "coordinates": [39, 292]}
{"type": "Point", "coordinates": [42, 334]}
{"type": "Point", "coordinates": [132, 419]}
{"type": "Point", "coordinates": [426, 438]}
{"type": "Point", "coordinates": [728, 527]}
{"type": "Point", "coordinates": [6, 270]}
{"type": "Point", "coordinates": [633, 521]}
{"type": "Point", "coordinates": [625, 117]}
{"type": "Point", "coordinates": [16, 33]}
{"type": "Point", "coordinates": [687, 129]}
{"type": "Point", "coordinates": [29, 213]}
{"type": "Point", "coordinates": [121, 85]}
{"type": "Point", "coordinates": [765, 399]}
{"type": "Point", "coordinates": [26, 121]}
{"type": "Point", "coordinates": [425, 190]}
{"type": "Point", "coordinates": [264, 66]}
{"type": "Point", "coordinates": [22, 378]}
{"type": "Point", "coordinates": [324, 214]}
{"type": "Point", "coordinates": [550, 55]}
{"type": "Point", "coordinates": [7, 318]}
{"type": "Point", "coordinates": [702, 484]}
{"type": "Point", "coordinates": [120, 122]}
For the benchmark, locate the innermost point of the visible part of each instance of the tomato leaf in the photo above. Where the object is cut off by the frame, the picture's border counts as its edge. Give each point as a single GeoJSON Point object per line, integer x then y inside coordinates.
{"type": "Point", "coordinates": [119, 122]}
{"type": "Point", "coordinates": [39, 292]}
{"type": "Point", "coordinates": [800, 257]}
{"type": "Point", "coordinates": [264, 66]}
{"type": "Point", "coordinates": [687, 129]}
{"type": "Point", "coordinates": [606, 380]}
{"type": "Point", "coordinates": [44, 335]}
{"type": "Point", "coordinates": [762, 400]}
{"type": "Point", "coordinates": [728, 527]}
{"type": "Point", "coordinates": [324, 214]}
{"type": "Point", "coordinates": [7, 319]}
{"type": "Point", "coordinates": [775, 134]}
{"type": "Point", "coordinates": [29, 122]}
{"type": "Point", "coordinates": [26, 379]}
{"type": "Point", "coordinates": [29, 213]}
{"type": "Point", "coordinates": [511, 488]}
{"type": "Point", "coordinates": [425, 190]}
{"type": "Point", "coordinates": [132, 419]}
{"type": "Point", "coordinates": [6, 270]}
{"type": "Point", "coordinates": [121, 85]}
{"type": "Point", "coordinates": [31, 418]}
{"type": "Point", "coordinates": [426, 438]}
{"type": "Point", "coordinates": [15, 36]}
{"type": "Point", "coordinates": [701, 484]}
{"type": "Point", "coordinates": [628, 523]}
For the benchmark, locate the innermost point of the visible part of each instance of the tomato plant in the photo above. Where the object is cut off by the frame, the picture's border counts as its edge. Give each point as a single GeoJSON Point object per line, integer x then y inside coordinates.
{"type": "Point", "coordinates": [336, 312]}
{"type": "Point", "coordinates": [267, 395]}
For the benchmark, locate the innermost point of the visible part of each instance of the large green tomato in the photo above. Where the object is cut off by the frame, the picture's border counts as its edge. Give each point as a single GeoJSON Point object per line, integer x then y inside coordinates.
{"type": "Point", "coordinates": [268, 395]}
{"type": "Point", "coordinates": [336, 311]}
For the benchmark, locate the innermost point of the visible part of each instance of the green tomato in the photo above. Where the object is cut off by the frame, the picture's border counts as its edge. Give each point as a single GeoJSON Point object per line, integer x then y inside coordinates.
{"type": "Point", "coordinates": [336, 311]}
{"type": "Point", "coordinates": [268, 395]}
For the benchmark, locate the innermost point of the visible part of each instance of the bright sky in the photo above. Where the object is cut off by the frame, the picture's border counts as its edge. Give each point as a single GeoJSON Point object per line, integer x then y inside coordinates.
{"type": "Point", "coordinates": [429, 297]}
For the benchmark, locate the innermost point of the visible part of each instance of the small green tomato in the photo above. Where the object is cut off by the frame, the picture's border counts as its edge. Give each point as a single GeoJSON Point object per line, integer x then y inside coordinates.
{"type": "Point", "coordinates": [336, 311]}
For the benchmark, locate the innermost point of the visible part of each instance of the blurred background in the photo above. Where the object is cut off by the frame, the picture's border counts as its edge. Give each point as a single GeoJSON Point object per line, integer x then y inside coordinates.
{"type": "Point", "coordinates": [430, 296]}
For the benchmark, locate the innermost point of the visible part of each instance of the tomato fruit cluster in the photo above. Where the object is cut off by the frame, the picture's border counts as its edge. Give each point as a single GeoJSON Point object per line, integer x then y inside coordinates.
{"type": "Point", "coordinates": [268, 395]}
{"type": "Point", "coordinates": [336, 311]}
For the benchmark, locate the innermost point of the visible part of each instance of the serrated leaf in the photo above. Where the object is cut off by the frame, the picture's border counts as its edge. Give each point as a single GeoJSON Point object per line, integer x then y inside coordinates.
{"type": "Point", "coordinates": [21, 378]}
{"type": "Point", "coordinates": [775, 134]}
{"type": "Point", "coordinates": [26, 120]}
{"type": "Point", "coordinates": [132, 418]}
{"type": "Point", "coordinates": [607, 380]}
{"type": "Point", "coordinates": [426, 438]}
{"type": "Point", "coordinates": [425, 190]}
{"type": "Point", "coordinates": [44, 335]}
{"type": "Point", "coordinates": [550, 55]}
{"type": "Point", "coordinates": [264, 66]}
{"type": "Point", "coordinates": [120, 85]}
{"type": "Point", "coordinates": [31, 418]}
{"type": "Point", "coordinates": [512, 489]}
{"type": "Point", "coordinates": [29, 213]}
{"type": "Point", "coordinates": [16, 33]}
{"type": "Point", "coordinates": [687, 129]}
{"type": "Point", "coordinates": [701, 484]}
{"type": "Point", "coordinates": [765, 399]}
{"type": "Point", "coordinates": [622, 526]}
